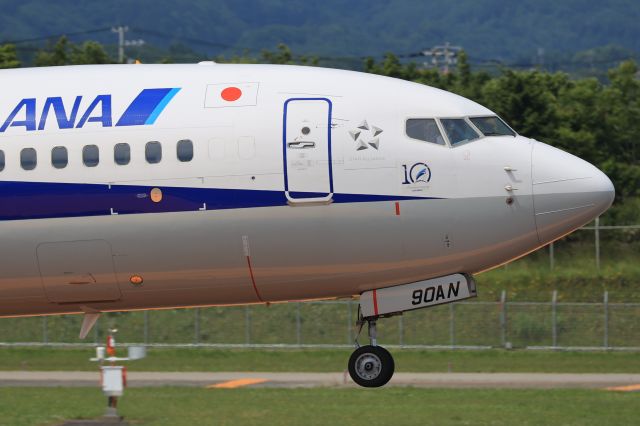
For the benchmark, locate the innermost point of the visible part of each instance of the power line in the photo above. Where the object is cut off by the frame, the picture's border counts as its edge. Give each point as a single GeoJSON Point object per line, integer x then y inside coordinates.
{"type": "Point", "coordinates": [122, 42]}
{"type": "Point", "coordinates": [55, 36]}
{"type": "Point", "coordinates": [474, 61]}
{"type": "Point", "coordinates": [550, 63]}
{"type": "Point", "coordinates": [189, 39]}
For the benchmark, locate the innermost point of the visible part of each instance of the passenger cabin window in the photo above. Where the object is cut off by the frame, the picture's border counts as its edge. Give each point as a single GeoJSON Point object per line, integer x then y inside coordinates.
{"type": "Point", "coordinates": [424, 129]}
{"type": "Point", "coordinates": [59, 157]}
{"type": "Point", "coordinates": [153, 152]}
{"type": "Point", "coordinates": [458, 130]}
{"type": "Point", "coordinates": [1, 160]}
{"type": "Point", "coordinates": [122, 154]}
{"type": "Point", "coordinates": [184, 150]}
{"type": "Point", "coordinates": [90, 155]}
{"type": "Point", "coordinates": [492, 126]}
{"type": "Point", "coordinates": [28, 158]}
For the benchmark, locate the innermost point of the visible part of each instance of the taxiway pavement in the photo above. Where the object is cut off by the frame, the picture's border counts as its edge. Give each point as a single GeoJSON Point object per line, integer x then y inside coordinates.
{"type": "Point", "coordinates": [302, 380]}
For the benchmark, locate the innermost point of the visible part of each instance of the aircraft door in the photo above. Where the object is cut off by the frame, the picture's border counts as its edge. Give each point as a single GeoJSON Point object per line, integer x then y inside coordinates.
{"type": "Point", "coordinates": [78, 271]}
{"type": "Point", "coordinates": [307, 150]}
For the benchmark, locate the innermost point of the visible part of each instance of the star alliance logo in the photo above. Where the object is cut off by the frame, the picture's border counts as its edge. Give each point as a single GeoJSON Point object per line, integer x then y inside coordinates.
{"type": "Point", "coordinates": [366, 136]}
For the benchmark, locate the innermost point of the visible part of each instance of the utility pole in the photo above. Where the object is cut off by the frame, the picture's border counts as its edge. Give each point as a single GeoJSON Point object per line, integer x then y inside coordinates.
{"type": "Point", "coordinates": [120, 30]}
{"type": "Point", "coordinates": [443, 56]}
{"type": "Point", "coordinates": [540, 57]}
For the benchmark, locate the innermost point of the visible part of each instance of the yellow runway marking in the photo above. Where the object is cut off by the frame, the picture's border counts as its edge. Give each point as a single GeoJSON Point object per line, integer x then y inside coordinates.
{"type": "Point", "coordinates": [232, 384]}
{"type": "Point", "coordinates": [630, 388]}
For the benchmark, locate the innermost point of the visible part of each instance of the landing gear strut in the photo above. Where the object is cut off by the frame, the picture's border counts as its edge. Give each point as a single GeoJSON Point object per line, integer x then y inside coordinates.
{"type": "Point", "coordinates": [371, 365]}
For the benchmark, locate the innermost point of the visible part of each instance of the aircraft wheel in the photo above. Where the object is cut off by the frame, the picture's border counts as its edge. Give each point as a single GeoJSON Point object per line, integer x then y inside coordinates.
{"type": "Point", "coordinates": [371, 366]}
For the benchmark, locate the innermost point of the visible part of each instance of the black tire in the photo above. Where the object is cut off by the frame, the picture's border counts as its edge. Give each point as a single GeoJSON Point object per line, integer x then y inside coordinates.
{"type": "Point", "coordinates": [371, 366]}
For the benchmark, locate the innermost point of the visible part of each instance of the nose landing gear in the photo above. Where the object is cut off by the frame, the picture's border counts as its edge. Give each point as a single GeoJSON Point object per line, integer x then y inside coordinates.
{"type": "Point", "coordinates": [370, 366]}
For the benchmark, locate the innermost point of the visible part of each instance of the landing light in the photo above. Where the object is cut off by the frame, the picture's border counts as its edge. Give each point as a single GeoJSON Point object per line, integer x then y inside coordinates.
{"type": "Point", "coordinates": [136, 280]}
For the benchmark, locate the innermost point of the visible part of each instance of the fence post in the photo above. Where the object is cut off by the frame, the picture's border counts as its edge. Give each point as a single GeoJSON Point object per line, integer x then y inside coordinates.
{"type": "Point", "coordinates": [146, 327]}
{"type": "Point", "coordinates": [349, 326]}
{"type": "Point", "coordinates": [606, 319]}
{"type": "Point", "coordinates": [552, 259]}
{"type": "Point", "coordinates": [452, 325]}
{"type": "Point", "coordinates": [503, 318]}
{"type": "Point", "coordinates": [597, 232]}
{"type": "Point", "coordinates": [196, 326]}
{"type": "Point", "coordinates": [45, 334]}
{"type": "Point", "coordinates": [247, 325]}
{"type": "Point", "coordinates": [554, 318]}
{"type": "Point", "coordinates": [298, 325]}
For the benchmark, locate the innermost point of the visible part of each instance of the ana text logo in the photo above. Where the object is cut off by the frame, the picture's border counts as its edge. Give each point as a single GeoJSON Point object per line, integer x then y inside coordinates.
{"type": "Point", "coordinates": [142, 111]}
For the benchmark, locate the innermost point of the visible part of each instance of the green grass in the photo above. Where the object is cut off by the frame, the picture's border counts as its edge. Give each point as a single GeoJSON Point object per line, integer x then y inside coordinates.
{"type": "Point", "coordinates": [328, 406]}
{"type": "Point", "coordinates": [328, 360]}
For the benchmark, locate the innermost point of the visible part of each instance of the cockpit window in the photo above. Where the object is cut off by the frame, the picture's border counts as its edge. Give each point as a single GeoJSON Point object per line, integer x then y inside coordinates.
{"type": "Point", "coordinates": [458, 130]}
{"type": "Point", "coordinates": [424, 129]}
{"type": "Point", "coordinates": [492, 126]}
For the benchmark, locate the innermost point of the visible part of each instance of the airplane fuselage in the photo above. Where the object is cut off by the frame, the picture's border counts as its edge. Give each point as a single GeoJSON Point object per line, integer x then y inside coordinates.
{"type": "Point", "coordinates": [157, 186]}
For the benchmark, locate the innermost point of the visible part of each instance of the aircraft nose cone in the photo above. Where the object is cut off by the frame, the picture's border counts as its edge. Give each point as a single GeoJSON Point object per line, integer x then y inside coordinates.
{"type": "Point", "coordinates": [568, 192]}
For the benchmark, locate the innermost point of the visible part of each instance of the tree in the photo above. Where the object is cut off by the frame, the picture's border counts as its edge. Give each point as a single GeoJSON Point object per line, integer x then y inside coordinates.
{"type": "Point", "coordinates": [90, 52]}
{"type": "Point", "coordinates": [55, 55]}
{"type": "Point", "coordinates": [620, 104]}
{"type": "Point", "coordinates": [527, 100]}
{"type": "Point", "coordinates": [64, 52]}
{"type": "Point", "coordinates": [580, 119]}
{"type": "Point", "coordinates": [8, 56]}
{"type": "Point", "coordinates": [282, 55]}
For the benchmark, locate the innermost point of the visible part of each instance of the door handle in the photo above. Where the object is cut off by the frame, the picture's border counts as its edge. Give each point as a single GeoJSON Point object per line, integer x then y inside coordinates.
{"type": "Point", "coordinates": [301, 145]}
{"type": "Point", "coordinates": [509, 169]}
{"type": "Point", "coordinates": [82, 279]}
{"type": "Point", "coordinates": [510, 188]}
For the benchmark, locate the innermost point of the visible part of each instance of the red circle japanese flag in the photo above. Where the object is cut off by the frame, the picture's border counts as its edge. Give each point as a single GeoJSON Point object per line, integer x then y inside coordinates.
{"type": "Point", "coordinates": [231, 95]}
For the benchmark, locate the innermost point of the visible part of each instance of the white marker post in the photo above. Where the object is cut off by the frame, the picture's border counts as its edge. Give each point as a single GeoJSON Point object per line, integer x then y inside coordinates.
{"type": "Point", "coordinates": [113, 378]}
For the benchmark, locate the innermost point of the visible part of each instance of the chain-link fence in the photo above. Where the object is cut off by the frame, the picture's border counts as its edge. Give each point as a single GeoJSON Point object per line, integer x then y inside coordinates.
{"type": "Point", "coordinates": [475, 324]}
{"type": "Point", "coordinates": [607, 243]}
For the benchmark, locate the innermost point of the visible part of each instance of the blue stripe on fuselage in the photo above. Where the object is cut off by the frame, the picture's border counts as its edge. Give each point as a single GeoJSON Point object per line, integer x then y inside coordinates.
{"type": "Point", "coordinates": [160, 107]}
{"type": "Point", "coordinates": [146, 107]}
{"type": "Point", "coordinates": [40, 200]}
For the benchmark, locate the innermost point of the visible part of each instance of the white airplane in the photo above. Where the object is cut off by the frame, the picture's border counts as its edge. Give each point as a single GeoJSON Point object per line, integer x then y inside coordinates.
{"type": "Point", "coordinates": [129, 187]}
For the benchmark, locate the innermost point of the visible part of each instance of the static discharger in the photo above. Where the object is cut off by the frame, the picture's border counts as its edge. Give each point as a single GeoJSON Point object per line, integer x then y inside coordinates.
{"type": "Point", "coordinates": [156, 195]}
